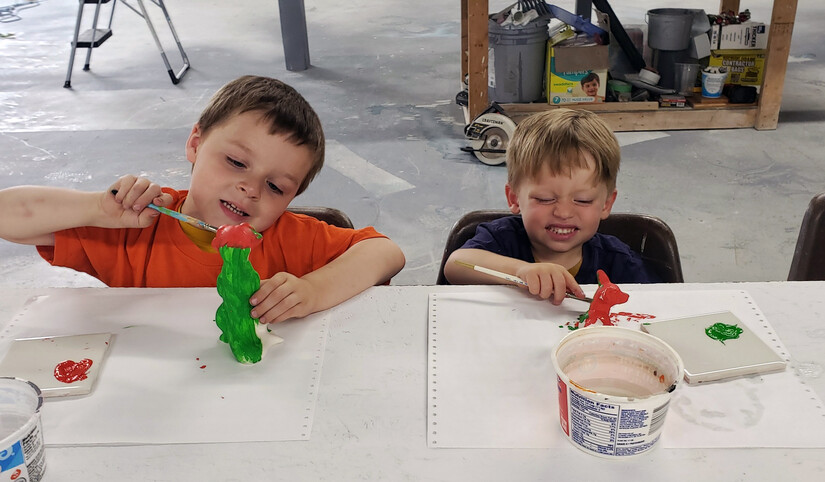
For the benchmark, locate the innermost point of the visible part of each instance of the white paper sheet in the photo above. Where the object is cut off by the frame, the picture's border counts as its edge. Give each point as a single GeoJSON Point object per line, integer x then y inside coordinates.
{"type": "Point", "coordinates": [167, 377]}
{"type": "Point", "coordinates": [491, 383]}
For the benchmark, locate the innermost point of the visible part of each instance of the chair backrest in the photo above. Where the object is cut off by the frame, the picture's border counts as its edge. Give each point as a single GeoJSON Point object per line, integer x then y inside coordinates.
{"type": "Point", "coordinates": [331, 216]}
{"type": "Point", "coordinates": [647, 235]}
{"type": "Point", "coordinates": [808, 262]}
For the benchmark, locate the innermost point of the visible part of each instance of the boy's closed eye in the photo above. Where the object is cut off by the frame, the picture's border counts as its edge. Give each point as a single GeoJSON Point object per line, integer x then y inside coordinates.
{"type": "Point", "coordinates": [274, 188]}
{"type": "Point", "coordinates": [235, 163]}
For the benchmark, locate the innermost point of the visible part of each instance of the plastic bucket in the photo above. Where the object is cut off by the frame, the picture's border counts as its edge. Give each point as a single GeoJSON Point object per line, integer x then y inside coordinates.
{"type": "Point", "coordinates": [712, 84]}
{"type": "Point", "coordinates": [517, 55]}
{"type": "Point", "coordinates": [669, 28]}
{"type": "Point", "coordinates": [614, 389]}
{"type": "Point", "coordinates": [21, 437]}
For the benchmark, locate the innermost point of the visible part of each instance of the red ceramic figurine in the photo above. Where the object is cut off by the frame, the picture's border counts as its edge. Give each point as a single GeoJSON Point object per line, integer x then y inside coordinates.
{"type": "Point", "coordinates": [606, 296]}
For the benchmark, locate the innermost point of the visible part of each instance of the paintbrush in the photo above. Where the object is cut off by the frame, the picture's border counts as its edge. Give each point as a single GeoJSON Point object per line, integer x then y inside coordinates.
{"type": "Point", "coordinates": [513, 279]}
{"type": "Point", "coordinates": [181, 217]}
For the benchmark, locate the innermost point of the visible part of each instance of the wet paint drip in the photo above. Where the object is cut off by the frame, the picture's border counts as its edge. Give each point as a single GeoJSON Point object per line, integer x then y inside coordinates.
{"type": "Point", "coordinates": [70, 371]}
{"type": "Point", "coordinates": [236, 283]}
{"type": "Point", "coordinates": [607, 295]}
{"type": "Point", "coordinates": [722, 332]}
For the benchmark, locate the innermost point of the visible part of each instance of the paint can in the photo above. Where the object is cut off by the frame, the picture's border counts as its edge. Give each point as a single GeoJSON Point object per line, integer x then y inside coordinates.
{"type": "Point", "coordinates": [614, 388]}
{"type": "Point", "coordinates": [713, 81]}
{"type": "Point", "coordinates": [21, 437]}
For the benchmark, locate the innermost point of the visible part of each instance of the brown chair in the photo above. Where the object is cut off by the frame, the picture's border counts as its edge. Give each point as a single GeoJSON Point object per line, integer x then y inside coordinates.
{"type": "Point", "coordinates": [647, 235]}
{"type": "Point", "coordinates": [331, 216]}
{"type": "Point", "coordinates": [808, 262]}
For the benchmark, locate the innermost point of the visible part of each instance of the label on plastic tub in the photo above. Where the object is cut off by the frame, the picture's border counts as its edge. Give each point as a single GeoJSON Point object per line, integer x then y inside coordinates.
{"type": "Point", "coordinates": [608, 428]}
{"type": "Point", "coordinates": [24, 459]}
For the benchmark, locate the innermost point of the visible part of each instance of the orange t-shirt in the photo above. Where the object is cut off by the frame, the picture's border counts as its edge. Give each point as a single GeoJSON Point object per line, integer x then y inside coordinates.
{"type": "Point", "coordinates": [162, 256]}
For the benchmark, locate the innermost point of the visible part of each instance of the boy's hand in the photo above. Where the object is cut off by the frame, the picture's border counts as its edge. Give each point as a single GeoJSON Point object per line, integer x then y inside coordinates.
{"type": "Point", "coordinates": [549, 279]}
{"type": "Point", "coordinates": [125, 203]}
{"type": "Point", "coordinates": [282, 297]}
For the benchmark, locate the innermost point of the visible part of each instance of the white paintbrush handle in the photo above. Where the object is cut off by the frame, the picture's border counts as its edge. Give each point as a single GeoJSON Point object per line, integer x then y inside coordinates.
{"type": "Point", "coordinates": [499, 274]}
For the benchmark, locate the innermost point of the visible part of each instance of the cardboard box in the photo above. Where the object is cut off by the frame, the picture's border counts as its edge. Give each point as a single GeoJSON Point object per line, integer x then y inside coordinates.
{"type": "Point", "coordinates": [699, 46]}
{"type": "Point", "coordinates": [746, 67]}
{"type": "Point", "coordinates": [747, 35]}
{"type": "Point", "coordinates": [574, 67]}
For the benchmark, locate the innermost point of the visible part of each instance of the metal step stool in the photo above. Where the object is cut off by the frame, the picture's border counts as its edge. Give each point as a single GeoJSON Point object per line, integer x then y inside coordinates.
{"type": "Point", "coordinates": [95, 36]}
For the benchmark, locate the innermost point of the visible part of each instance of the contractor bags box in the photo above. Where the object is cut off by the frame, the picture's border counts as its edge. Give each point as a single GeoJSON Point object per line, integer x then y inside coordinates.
{"type": "Point", "coordinates": [747, 35]}
{"type": "Point", "coordinates": [746, 66]}
{"type": "Point", "coordinates": [576, 71]}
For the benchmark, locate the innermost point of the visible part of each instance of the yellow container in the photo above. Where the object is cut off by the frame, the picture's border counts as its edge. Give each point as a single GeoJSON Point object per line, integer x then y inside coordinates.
{"type": "Point", "coordinates": [746, 67]}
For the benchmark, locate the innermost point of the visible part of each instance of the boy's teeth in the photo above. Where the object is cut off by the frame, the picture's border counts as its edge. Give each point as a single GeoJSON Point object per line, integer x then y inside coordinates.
{"type": "Point", "coordinates": [234, 209]}
{"type": "Point", "coordinates": [562, 230]}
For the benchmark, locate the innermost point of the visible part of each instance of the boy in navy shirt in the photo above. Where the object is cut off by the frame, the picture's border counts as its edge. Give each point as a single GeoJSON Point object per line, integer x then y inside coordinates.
{"type": "Point", "coordinates": [561, 182]}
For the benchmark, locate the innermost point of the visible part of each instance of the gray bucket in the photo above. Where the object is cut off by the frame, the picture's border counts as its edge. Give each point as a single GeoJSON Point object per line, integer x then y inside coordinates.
{"type": "Point", "coordinates": [669, 28]}
{"type": "Point", "coordinates": [517, 58]}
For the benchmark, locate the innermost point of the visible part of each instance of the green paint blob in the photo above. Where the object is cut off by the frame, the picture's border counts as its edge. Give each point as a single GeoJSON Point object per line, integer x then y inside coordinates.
{"type": "Point", "coordinates": [236, 284]}
{"type": "Point", "coordinates": [722, 332]}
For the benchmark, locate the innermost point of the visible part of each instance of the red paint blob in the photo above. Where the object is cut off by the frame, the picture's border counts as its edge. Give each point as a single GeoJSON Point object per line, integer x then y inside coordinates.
{"type": "Point", "coordinates": [70, 371]}
{"type": "Point", "coordinates": [203, 366]}
{"type": "Point", "coordinates": [236, 236]}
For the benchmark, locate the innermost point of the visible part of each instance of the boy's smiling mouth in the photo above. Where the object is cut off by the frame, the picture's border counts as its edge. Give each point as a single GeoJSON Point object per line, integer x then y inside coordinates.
{"type": "Point", "coordinates": [562, 231]}
{"type": "Point", "coordinates": [234, 209]}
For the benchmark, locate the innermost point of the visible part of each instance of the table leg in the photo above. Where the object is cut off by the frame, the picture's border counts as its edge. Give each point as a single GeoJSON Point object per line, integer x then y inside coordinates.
{"type": "Point", "coordinates": [477, 46]}
{"type": "Point", "coordinates": [294, 34]}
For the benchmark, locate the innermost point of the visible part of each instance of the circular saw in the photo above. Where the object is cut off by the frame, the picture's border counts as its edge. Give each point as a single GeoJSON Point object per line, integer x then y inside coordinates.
{"type": "Point", "coordinates": [489, 135]}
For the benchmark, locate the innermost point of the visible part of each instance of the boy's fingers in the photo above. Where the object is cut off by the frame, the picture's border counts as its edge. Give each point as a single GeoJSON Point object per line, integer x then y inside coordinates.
{"type": "Point", "coordinates": [559, 288]}
{"type": "Point", "coordinates": [164, 200]}
{"type": "Point", "coordinates": [287, 308]}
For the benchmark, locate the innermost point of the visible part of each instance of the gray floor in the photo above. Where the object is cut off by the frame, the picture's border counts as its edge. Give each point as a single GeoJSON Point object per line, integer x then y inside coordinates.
{"type": "Point", "coordinates": [383, 80]}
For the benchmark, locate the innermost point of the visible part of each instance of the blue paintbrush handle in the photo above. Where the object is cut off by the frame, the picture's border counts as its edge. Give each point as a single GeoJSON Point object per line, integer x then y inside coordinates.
{"type": "Point", "coordinates": [183, 217]}
{"type": "Point", "coordinates": [180, 216]}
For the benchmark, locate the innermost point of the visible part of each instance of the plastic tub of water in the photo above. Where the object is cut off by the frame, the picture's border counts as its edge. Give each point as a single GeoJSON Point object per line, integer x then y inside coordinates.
{"type": "Point", "coordinates": [21, 437]}
{"type": "Point", "coordinates": [614, 387]}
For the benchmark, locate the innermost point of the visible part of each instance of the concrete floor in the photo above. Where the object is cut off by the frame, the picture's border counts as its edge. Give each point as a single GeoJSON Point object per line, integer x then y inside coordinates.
{"type": "Point", "coordinates": [383, 79]}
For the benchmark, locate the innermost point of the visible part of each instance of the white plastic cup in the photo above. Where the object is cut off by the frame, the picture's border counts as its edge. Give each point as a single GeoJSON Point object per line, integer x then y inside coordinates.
{"type": "Point", "coordinates": [712, 84]}
{"type": "Point", "coordinates": [21, 437]}
{"type": "Point", "coordinates": [614, 388]}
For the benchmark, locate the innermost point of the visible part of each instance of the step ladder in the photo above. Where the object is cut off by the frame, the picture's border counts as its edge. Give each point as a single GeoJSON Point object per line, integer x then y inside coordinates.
{"type": "Point", "coordinates": [94, 37]}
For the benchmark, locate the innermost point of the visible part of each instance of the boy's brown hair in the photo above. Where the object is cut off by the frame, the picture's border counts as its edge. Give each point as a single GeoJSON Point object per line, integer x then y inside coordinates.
{"type": "Point", "coordinates": [558, 138]}
{"type": "Point", "coordinates": [282, 106]}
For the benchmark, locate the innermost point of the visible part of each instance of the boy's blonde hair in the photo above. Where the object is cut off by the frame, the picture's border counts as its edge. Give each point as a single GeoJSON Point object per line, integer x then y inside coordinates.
{"type": "Point", "coordinates": [557, 139]}
{"type": "Point", "coordinates": [282, 106]}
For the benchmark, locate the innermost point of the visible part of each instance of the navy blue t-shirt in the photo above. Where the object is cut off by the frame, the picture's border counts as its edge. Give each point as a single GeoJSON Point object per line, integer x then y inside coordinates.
{"type": "Point", "coordinates": [506, 236]}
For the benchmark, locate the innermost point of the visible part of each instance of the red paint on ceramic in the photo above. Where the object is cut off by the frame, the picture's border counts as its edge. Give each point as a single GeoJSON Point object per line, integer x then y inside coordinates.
{"type": "Point", "coordinates": [70, 371]}
{"type": "Point", "coordinates": [203, 366]}
{"type": "Point", "coordinates": [236, 236]}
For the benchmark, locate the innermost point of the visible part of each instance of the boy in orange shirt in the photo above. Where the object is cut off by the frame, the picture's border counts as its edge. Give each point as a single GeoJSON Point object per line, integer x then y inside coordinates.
{"type": "Point", "coordinates": [256, 146]}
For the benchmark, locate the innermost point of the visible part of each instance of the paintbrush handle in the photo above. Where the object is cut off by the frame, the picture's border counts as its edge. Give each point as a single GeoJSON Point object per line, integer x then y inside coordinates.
{"type": "Point", "coordinates": [513, 279]}
{"type": "Point", "coordinates": [183, 217]}
{"type": "Point", "coordinates": [499, 274]}
{"type": "Point", "coordinates": [179, 216]}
